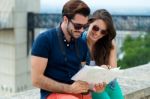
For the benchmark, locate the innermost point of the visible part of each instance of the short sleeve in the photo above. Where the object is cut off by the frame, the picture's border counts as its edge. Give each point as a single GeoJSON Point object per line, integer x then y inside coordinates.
{"type": "Point", "coordinates": [41, 46]}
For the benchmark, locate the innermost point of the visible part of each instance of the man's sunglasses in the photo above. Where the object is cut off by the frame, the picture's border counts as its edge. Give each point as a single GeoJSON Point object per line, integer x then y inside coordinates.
{"type": "Point", "coordinates": [78, 26]}
{"type": "Point", "coordinates": [96, 28]}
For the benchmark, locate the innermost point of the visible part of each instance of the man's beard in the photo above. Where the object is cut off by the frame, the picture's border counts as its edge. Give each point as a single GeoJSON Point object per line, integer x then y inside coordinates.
{"type": "Point", "coordinates": [70, 32]}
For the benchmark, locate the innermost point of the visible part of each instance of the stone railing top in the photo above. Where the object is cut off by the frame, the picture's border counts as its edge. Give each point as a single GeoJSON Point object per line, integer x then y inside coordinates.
{"type": "Point", "coordinates": [135, 83]}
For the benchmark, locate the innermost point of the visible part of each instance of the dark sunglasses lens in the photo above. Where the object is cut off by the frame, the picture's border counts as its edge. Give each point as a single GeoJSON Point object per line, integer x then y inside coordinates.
{"type": "Point", "coordinates": [95, 28]}
{"type": "Point", "coordinates": [104, 32]}
{"type": "Point", "coordinates": [79, 26]}
{"type": "Point", "coordinates": [85, 26]}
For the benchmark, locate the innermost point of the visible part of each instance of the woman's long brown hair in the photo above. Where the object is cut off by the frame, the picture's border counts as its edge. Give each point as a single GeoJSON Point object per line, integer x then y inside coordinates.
{"type": "Point", "coordinates": [101, 49]}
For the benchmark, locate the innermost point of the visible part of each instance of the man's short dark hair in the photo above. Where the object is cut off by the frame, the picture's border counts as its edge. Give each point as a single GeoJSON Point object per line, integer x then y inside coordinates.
{"type": "Point", "coordinates": [73, 7]}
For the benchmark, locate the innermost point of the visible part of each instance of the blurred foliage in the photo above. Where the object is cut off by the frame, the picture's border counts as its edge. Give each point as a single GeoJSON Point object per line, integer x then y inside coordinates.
{"type": "Point", "coordinates": [137, 51]}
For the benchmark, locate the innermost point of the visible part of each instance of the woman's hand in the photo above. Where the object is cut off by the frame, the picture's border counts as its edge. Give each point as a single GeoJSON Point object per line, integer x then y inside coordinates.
{"type": "Point", "coordinates": [100, 87]}
{"type": "Point", "coordinates": [106, 66]}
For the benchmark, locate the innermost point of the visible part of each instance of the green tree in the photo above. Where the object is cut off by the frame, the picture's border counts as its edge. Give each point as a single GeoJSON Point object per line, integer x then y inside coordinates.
{"type": "Point", "coordinates": [137, 51]}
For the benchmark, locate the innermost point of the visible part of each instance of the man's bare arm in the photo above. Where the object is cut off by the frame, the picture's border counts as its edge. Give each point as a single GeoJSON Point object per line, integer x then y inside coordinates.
{"type": "Point", "coordinates": [41, 81]}
{"type": "Point", "coordinates": [113, 56]}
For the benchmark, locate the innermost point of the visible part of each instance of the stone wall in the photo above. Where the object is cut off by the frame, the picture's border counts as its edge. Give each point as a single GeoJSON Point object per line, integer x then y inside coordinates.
{"type": "Point", "coordinates": [6, 13]}
{"type": "Point", "coordinates": [135, 83]}
{"type": "Point", "coordinates": [7, 61]}
{"type": "Point", "coordinates": [14, 62]}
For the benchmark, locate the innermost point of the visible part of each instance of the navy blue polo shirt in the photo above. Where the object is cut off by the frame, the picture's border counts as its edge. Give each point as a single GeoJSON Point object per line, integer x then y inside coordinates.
{"type": "Point", "coordinates": [64, 59]}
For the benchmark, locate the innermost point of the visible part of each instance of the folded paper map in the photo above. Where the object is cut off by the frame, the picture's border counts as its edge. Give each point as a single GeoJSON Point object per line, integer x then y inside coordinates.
{"type": "Point", "coordinates": [97, 74]}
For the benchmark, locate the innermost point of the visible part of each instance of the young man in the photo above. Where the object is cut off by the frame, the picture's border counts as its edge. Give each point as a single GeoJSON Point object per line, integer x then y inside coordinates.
{"type": "Point", "coordinates": [57, 55]}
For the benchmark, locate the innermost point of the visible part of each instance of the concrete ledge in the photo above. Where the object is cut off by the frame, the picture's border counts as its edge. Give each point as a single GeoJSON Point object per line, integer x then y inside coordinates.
{"type": "Point", "coordinates": [135, 83]}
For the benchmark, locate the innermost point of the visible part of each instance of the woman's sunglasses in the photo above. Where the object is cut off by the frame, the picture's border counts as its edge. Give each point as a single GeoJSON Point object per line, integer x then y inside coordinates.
{"type": "Point", "coordinates": [96, 28]}
{"type": "Point", "coordinates": [78, 26]}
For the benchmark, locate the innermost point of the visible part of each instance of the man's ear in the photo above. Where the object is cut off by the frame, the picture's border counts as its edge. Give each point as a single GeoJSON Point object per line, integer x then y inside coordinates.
{"type": "Point", "coordinates": [65, 19]}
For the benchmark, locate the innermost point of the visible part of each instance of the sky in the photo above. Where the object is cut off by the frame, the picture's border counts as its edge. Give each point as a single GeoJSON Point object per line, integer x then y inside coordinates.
{"type": "Point", "coordinates": [114, 6]}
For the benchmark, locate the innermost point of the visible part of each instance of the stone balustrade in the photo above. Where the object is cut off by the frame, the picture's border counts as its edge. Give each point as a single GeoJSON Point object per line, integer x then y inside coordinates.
{"type": "Point", "coordinates": [135, 83]}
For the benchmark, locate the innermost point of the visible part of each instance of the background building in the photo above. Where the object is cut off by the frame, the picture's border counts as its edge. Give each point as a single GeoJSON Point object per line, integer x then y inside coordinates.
{"type": "Point", "coordinates": [14, 62]}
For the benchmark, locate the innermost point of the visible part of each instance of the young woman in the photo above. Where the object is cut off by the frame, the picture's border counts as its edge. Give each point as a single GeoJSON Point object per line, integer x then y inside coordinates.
{"type": "Point", "coordinates": [102, 51]}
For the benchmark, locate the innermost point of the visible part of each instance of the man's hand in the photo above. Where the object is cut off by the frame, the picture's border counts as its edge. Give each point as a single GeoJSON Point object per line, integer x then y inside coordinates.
{"type": "Point", "coordinates": [79, 87]}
